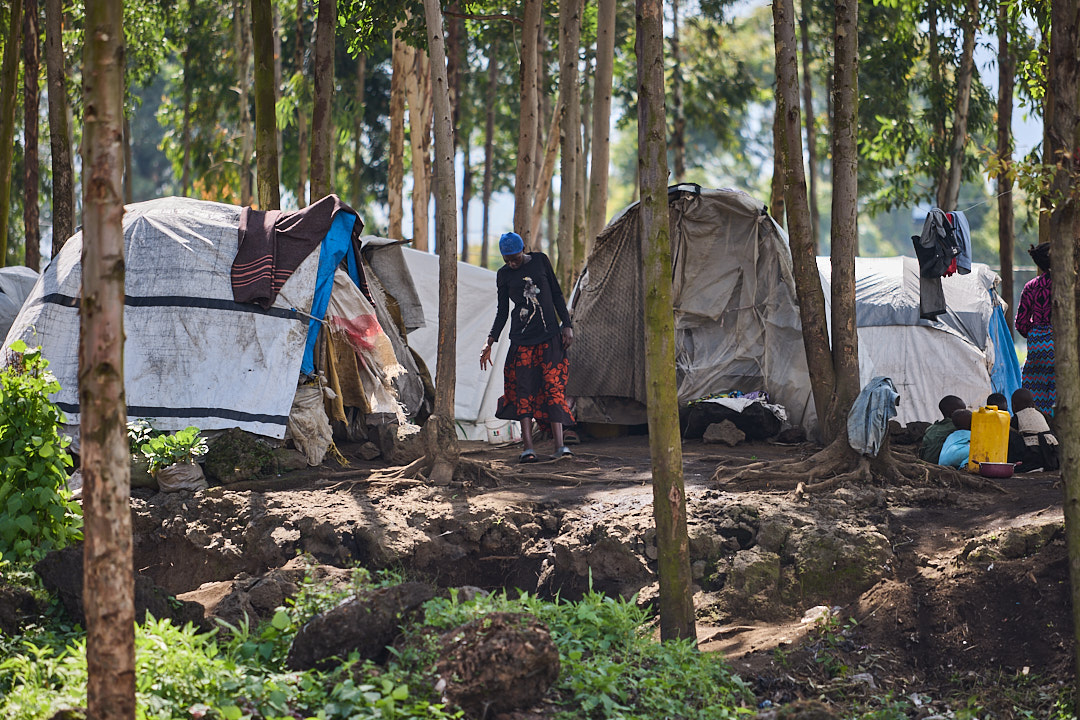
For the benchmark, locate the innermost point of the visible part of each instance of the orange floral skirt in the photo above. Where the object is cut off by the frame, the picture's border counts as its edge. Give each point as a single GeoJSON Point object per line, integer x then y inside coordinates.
{"type": "Point", "coordinates": [534, 383]}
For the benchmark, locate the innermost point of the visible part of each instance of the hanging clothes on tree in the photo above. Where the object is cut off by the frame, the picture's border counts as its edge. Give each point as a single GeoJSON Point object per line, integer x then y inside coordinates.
{"type": "Point", "coordinates": [943, 248]}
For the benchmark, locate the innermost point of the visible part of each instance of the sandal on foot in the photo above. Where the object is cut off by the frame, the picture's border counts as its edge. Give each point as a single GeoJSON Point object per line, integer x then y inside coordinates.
{"type": "Point", "coordinates": [527, 456]}
{"type": "Point", "coordinates": [563, 452]}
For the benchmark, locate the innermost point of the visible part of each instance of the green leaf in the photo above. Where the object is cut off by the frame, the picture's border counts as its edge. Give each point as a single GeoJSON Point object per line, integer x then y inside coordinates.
{"type": "Point", "coordinates": [281, 620]}
{"type": "Point", "coordinates": [401, 692]}
{"type": "Point", "coordinates": [231, 712]}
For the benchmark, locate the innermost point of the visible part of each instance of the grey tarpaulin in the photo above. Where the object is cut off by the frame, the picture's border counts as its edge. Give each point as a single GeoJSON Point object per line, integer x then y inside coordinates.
{"type": "Point", "coordinates": [15, 285]}
{"type": "Point", "coordinates": [868, 419]}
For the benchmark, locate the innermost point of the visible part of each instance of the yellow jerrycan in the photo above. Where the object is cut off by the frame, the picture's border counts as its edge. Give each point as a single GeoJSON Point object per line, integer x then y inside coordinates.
{"type": "Point", "coordinates": [989, 437]}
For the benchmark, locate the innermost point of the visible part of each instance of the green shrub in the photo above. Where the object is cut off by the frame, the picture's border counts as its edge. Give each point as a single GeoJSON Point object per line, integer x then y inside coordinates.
{"type": "Point", "coordinates": [182, 446]}
{"type": "Point", "coordinates": [36, 513]}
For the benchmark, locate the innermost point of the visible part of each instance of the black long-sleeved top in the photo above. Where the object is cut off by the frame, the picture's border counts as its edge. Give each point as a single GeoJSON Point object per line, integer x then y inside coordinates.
{"type": "Point", "coordinates": [538, 302]}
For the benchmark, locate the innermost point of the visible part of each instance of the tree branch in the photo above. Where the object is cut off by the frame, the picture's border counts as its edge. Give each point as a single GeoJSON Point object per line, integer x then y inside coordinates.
{"type": "Point", "coordinates": [497, 16]}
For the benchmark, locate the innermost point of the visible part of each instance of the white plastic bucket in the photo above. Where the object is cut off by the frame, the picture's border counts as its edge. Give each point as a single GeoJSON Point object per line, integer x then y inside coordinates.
{"type": "Point", "coordinates": [500, 432]}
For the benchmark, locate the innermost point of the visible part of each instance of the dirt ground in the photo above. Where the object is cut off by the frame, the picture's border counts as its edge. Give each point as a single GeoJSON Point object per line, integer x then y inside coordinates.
{"type": "Point", "coordinates": [973, 603]}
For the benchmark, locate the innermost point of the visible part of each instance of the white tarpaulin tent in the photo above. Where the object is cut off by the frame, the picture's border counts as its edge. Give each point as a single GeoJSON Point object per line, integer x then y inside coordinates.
{"type": "Point", "coordinates": [926, 360]}
{"type": "Point", "coordinates": [15, 285]}
{"type": "Point", "coordinates": [477, 391]}
{"type": "Point", "coordinates": [737, 322]}
{"type": "Point", "coordinates": [193, 355]}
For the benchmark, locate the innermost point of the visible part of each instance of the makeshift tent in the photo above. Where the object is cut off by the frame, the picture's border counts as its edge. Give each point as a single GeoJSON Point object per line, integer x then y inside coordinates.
{"type": "Point", "coordinates": [193, 355]}
{"type": "Point", "coordinates": [737, 322]}
{"type": "Point", "coordinates": [476, 391]}
{"type": "Point", "coordinates": [15, 285]}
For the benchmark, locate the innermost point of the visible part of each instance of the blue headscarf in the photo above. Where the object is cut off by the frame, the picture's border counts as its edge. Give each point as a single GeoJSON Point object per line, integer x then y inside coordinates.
{"type": "Point", "coordinates": [511, 244]}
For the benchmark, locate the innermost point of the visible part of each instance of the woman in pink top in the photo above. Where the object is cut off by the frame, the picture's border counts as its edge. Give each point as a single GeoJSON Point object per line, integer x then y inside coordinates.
{"type": "Point", "coordinates": [1033, 322]}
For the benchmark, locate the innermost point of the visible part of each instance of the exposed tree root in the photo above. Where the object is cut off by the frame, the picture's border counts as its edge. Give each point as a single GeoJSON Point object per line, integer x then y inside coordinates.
{"type": "Point", "coordinates": [838, 464]}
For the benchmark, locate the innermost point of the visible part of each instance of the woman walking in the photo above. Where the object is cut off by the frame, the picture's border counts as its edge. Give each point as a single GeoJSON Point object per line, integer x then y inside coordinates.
{"type": "Point", "coordinates": [534, 377]}
{"type": "Point", "coordinates": [1033, 322]}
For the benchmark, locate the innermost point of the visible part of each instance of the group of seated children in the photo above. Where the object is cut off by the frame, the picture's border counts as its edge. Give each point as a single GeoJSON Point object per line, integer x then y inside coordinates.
{"type": "Point", "coordinates": [1032, 445]}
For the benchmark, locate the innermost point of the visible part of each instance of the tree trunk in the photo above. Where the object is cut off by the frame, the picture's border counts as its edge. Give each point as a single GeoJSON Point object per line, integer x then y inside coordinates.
{"type": "Point", "coordinates": [31, 101]}
{"type": "Point", "coordinates": [108, 577]}
{"type": "Point", "coordinates": [1006, 225]}
{"type": "Point", "coordinates": [185, 124]}
{"type": "Point", "coordinates": [358, 131]}
{"type": "Point", "coordinates": [243, 47]}
{"type": "Point", "coordinates": [302, 149]}
{"type": "Point", "coordinates": [811, 129]}
{"type": "Point", "coordinates": [547, 170]}
{"type": "Point", "coordinates": [129, 172]}
{"type": "Point", "coordinates": [804, 263]}
{"type": "Point", "coordinates": [665, 445]}
{"type": "Point", "coordinates": [442, 420]}
{"type": "Point", "coordinates": [1064, 239]}
{"type": "Point", "coordinates": [528, 121]}
{"type": "Point", "coordinates": [489, 145]}
{"type": "Point", "coordinates": [845, 200]}
{"type": "Point", "coordinates": [396, 150]}
{"type": "Point", "coordinates": [678, 121]}
{"type": "Point", "coordinates": [277, 82]}
{"type": "Point", "coordinates": [601, 147]}
{"type": "Point", "coordinates": [9, 75]}
{"type": "Point", "coordinates": [581, 183]}
{"type": "Point", "coordinates": [950, 193]}
{"type": "Point", "coordinates": [418, 90]}
{"type": "Point", "coordinates": [543, 102]}
{"type": "Point", "coordinates": [322, 140]}
{"type": "Point", "coordinates": [466, 195]}
{"type": "Point", "coordinates": [569, 41]}
{"type": "Point", "coordinates": [265, 117]}
{"type": "Point", "coordinates": [776, 190]}
{"type": "Point", "coordinates": [939, 141]}
{"type": "Point", "coordinates": [63, 194]}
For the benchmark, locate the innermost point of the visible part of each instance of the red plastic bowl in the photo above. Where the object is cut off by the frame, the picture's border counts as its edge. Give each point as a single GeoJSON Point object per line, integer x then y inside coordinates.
{"type": "Point", "coordinates": [996, 470]}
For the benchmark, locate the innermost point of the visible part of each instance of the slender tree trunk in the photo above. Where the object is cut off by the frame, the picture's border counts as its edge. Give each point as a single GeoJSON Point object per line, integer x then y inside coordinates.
{"type": "Point", "coordinates": [1006, 225]}
{"type": "Point", "coordinates": [547, 170]}
{"type": "Point", "coordinates": [845, 198]}
{"type": "Point", "coordinates": [265, 117]}
{"type": "Point", "coordinates": [528, 121]}
{"type": "Point", "coordinates": [776, 194]}
{"type": "Point", "coordinates": [569, 42]}
{"type": "Point", "coordinates": [466, 194]}
{"type": "Point", "coordinates": [665, 444]}
{"type": "Point", "coordinates": [358, 131]}
{"type": "Point", "coordinates": [543, 103]}
{"type": "Point", "coordinates": [63, 194]}
{"type": "Point", "coordinates": [302, 148]}
{"type": "Point", "coordinates": [9, 75]}
{"type": "Point", "coordinates": [441, 422]}
{"type": "Point", "coordinates": [1050, 151]}
{"type": "Point", "coordinates": [277, 82]}
{"type": "Point", "coordinates": [418, 90]}
{"type": "Point", "coordinates": [396, 150]}
{"type": "Point", "coordinates": [1065, 239]}
{"type": "Point", "coordinates": [322, 140]}
{"type": "Point", "coordinates": [108, 577]}
{"type": "Point", "coordinates": [31, 102]}
{"type": "Point", "coordinates": [811, 129]}
{"type": "Point", "coordinates": [601, 148]}
{"type": "Point", "coordinates": [489, 145]}
{"type": "Point", "coordinates": [129, 172]}
{"type": "Point", "coordinates": [948, 196]}
{"type": "Point", "coordinates": [185, 124]}
{"type": "Point", "coordinates": [678, 123]}
{"type": "Point", "coordinates": [581, 183]}
{"type": "Point", "coordinates": [804, 263]}
{"type": "Point", "coordinates": [552, 228]}
{"type": "Point", "coordinates": [939, 140]}
{"type": "Point", "coordinates": [244, 50]}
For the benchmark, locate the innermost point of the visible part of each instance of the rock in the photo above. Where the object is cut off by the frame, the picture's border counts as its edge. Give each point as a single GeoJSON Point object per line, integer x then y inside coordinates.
{"type": "Point", "coordinates": [791, 436]}
{"type": "Point", "coordinates": [288, 459]}
{"type": "Point", "coordinates": [369, 451]}
{"type": "Point", "coordinates": [497, 663]}
{"type": "Point", "coordinates": [754, 571]}
{"type": "Point", "coordinates": [236, 455]}
{"type": "Point", "coordinates": [61, 572]}
{"type": "Point", "coordinates": [724, 432]}
{"type": "Point", "coordinates": [399, 444]}
{"type": "Point", "coordinates": [365, 624]}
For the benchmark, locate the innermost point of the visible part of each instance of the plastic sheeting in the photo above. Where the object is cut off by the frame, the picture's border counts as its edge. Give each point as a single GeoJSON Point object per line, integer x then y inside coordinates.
{"type": "Point", "coordinates": [15, 285]}
{"type": "Point", "coordinates": [193, 356]}
{"type": "Point", "coordinates": [476, 392]}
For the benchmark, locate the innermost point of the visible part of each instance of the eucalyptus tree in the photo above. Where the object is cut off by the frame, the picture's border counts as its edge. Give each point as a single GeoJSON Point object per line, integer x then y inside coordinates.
{"type": "Point", "coordinates": [31, 100]}
{"type": "Point", "coordinates": [601, 129]}
{"type": "Point", "coordinates": [569, 41]}
{"type": "Point", "coordinates": [665, 443]}
{"type": "Point", "coordinates": [108, 577]}
{"type": "Point", "coordinates": [322, 138]}
{"type": "Point", "coordinates": [269, 192]}
{"type": "Point", "coordinates": [63, 197]}
{"type": "Point", "coordinates": [9, 74]}
{"type": "Point", "coordinates": [1006, 60]}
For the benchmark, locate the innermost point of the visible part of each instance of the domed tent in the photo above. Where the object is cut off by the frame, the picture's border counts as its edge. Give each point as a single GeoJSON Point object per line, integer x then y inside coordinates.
{"type": "Point", "coordinates": [15, 285]}
{"type": "Point", "coordinates": [193, 354]}
{"type": "Point", "coordinates": [737, 322]}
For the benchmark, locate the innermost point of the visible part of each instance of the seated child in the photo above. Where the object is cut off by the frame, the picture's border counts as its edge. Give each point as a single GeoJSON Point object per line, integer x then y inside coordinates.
{"type": "Point", "coordinates": [1040, 445]}
{"type": "Point", "coordinates": [957, 447]}
{"type": "Point", "coordinates": [1016, 443]}
{"type": "Point", "coordinates": [935, 435]}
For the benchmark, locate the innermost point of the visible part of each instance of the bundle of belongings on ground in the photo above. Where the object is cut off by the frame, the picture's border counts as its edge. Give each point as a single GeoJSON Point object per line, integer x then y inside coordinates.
{"type": "Point", "coordinates": [227, 307]}
{"type": "Point", "coordinates": [751, 413]}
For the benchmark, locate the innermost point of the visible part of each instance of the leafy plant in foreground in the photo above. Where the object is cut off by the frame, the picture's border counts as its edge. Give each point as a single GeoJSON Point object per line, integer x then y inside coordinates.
{"type": "Point", "coordinates": [182, 446]}
{"type": "Point", "coordinates": [36, 513]}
